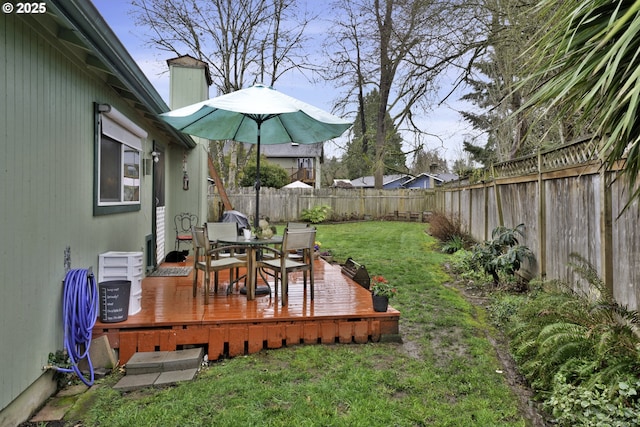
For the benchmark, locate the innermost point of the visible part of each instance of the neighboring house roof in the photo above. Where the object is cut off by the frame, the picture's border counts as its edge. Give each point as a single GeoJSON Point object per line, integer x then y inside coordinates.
{"type": "Point", "coordinates": [293, 150]}
{"type": "Point", "coordinates": [297, 184]}
{"type": "Point", "coordinates": [401, 180]}
{"type": "Point", "coordinates": [446, 177]}
{"type": "Point", "coordinates": [342, 183]}
{"type": "Point", "coordinates": [86, 30]}
{"type": "Point", "coordinates": [422, 180]}
{"type": "Point", "coordinates": [285, 151]}
{"type": "Point", "coordinates": [387, 180]}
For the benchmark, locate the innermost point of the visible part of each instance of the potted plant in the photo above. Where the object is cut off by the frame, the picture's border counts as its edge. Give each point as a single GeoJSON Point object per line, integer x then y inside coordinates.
{"type": "Point", "coordinates": [381, 292]}
{"type": "Point", "coordinates": [316, 249]}
{"type": "Point", "coordinates": [327, 256]}
{"type": "Point", "coordinates": [264, 230]}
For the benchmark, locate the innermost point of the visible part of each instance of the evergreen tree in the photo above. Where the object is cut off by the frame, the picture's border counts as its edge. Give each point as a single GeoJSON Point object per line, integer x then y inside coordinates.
{"type": "Point", "coordinates": [428, 162]}
{"type": "Point", "coordinates": [499, 88]}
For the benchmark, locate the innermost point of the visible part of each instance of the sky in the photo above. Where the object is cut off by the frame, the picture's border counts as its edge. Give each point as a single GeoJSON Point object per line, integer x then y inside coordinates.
{"type": "Point", "coordinates": [444, 121]}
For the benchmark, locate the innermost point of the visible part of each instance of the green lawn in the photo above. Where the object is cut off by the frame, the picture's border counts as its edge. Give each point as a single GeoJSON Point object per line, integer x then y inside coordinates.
{"type": "Point", "coordinates": [444, 373]}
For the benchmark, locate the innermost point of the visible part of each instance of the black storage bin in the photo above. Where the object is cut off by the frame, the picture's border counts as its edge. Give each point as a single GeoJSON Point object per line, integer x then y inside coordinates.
{"type": "Point", "coordinates": [114, 300]}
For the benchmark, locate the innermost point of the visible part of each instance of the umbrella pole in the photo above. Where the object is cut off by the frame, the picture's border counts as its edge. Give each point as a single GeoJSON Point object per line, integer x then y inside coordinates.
{"type": "Point", "coordinates": [256, 219]}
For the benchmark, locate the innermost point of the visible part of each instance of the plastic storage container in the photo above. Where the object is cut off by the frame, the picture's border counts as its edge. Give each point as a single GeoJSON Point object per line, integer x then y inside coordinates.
{"type": "Point", "coordinates": [116, 265]}
{"type": "Point", "coordinates": [114, 300]}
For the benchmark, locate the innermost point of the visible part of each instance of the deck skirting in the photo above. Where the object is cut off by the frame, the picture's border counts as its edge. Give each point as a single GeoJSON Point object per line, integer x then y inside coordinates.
{"type": "Point", "coordinates": [237, 339]}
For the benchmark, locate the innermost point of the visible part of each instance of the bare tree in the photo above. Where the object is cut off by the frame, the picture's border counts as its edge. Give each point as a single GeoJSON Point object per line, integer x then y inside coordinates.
{"type": "Point", "coordinates": [243, 41]}
{"type": "Point", "coordinates": [398, 47]}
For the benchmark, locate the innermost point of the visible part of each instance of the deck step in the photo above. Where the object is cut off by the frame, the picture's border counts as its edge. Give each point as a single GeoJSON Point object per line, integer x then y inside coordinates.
{"type": "Point", "coordinates": [163, 361]}
{"type": "Point", "coordinates": [156, 368]}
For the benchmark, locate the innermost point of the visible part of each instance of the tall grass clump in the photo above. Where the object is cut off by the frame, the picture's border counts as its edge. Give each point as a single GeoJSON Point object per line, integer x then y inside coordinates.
{"type": "Point", "coordinates": [449, 231]}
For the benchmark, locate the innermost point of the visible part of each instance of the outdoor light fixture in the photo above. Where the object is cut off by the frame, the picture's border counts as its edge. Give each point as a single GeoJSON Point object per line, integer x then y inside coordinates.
{"type": "Point", "coordinates": [155, 155]}
{"type": "Point", "coordinates": [104, 108]}
{"type": "Point", "coordinates": [185, 175]}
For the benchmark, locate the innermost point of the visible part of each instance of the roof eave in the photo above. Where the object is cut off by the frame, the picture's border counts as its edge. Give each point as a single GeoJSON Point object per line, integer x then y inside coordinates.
{"type": "Point", "coordinates": [95, 33]}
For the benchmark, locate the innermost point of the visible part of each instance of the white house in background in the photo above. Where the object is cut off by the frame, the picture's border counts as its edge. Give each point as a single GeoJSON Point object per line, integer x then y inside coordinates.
{"type": "Point", "coordinates": [87, 167]}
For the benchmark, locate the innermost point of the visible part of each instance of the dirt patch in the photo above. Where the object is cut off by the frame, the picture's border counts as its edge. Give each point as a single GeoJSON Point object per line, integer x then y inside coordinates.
{"type": "Point", "coordinates": [528, 406]}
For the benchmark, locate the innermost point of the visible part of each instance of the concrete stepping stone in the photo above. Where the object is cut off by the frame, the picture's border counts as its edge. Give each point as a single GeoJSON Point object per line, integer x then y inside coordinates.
{"type": "Point", "coordinates": [158, 368]}
{"type": "Point", "coordinates": [162, 361]}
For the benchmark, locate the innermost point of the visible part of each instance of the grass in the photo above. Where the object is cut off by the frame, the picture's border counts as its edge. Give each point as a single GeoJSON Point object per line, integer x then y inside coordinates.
{"type": "Point", "coordinates": [443, 374]}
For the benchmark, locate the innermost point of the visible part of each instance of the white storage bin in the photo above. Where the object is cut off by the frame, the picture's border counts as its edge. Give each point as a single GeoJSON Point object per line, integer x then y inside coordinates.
{"type": "Point", "coordinates": [116, 265]}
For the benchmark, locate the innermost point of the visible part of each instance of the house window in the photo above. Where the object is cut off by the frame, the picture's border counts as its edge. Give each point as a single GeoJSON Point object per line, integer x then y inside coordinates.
{"type": "Point", "coordinates": [118, 158]}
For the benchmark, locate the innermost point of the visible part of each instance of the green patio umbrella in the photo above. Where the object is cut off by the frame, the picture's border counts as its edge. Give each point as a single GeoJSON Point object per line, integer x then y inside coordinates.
{"type": "Point", "coordinates": [257, 115]}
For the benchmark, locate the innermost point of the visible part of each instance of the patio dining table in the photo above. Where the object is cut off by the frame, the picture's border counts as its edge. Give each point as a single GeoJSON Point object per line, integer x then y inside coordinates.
{"type": "Point", "coordinates": [253, 246]}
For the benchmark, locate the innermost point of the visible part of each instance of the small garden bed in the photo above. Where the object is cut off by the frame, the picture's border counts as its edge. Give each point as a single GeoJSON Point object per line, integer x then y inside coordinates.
{"type": "Point", "coordinates": [575, 346]}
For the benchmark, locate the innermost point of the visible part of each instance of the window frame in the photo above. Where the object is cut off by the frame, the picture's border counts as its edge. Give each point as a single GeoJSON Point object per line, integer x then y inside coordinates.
{"type": "Point", "coordinates": [112, 127]}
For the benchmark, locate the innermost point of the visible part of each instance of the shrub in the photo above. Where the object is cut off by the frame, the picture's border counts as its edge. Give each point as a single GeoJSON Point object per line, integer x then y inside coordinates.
{"type": "Point", "coordinates": [271, 175]}
{"type": "Point", "coordinates": [462, 266]}
{"type": "Point", "coordinates": [599, 405]}
{"type": "Point", "coordinates": [317, 214]}
{"type": "Point", "coordinates": [503, 254]}
{"type": "Point", "coordinates": [503, 309]}
{"type": "Point", "coordinates": [449, 231]}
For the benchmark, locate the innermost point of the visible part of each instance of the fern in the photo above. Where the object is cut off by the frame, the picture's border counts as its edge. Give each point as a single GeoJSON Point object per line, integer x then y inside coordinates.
{"type": "Point", "coordinates": [611, 374]}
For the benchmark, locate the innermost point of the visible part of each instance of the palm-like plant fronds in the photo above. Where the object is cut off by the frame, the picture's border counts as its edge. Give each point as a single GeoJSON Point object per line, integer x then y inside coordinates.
{"type": "Point", "coordinates": [588, 63]}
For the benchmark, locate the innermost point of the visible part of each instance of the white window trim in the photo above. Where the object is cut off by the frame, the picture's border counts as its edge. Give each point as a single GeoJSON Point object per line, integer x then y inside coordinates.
{"type": "Point", "coordinates": [119, 128]}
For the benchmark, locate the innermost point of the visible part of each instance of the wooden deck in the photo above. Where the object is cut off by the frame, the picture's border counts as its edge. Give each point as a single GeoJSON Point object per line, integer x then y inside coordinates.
{"type": "Point", "coordinates": [171, 319]}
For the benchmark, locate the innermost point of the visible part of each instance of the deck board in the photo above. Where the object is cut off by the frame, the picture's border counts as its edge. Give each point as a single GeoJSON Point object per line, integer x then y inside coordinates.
{"type": "Point", "coordinates": [171, 318]}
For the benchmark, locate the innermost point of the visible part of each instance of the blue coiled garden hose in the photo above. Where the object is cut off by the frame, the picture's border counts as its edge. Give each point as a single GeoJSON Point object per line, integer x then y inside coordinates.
{"type": "Point", "coordinates": [79, 309]}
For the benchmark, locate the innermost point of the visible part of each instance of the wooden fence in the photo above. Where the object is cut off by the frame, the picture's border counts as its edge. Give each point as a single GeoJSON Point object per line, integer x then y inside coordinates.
{"type": "Point", "coordinates": [566, 201]}
{"type": "Point", "coordinates": [569, 204]}
{"type": "Point", "coordinates": [282, 205]}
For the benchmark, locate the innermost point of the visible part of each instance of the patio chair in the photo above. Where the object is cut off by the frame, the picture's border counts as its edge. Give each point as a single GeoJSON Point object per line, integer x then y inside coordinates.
{"type": "Point", "coordinates": [224, 231]}
{"type": "Point", "coordinates": [221, 230]}
{"type": "Point", "coordinates": [282, 265]}
{"type": "Point", "coordinates": [183, 223]}
{"type": "Point", "coordinates": [297, 255]}
{"type": "Point", "coordinates": [208, 259]}
{"type": "Point", "coordinates": [296, 225]}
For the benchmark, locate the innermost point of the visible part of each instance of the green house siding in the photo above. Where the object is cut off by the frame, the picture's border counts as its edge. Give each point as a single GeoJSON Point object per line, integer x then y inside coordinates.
{"type": "Point", "coordinates": [47, 192]}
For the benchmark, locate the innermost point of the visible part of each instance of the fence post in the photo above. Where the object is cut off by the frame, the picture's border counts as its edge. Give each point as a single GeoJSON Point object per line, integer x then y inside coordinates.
{"type": "Point", "coordinates": [497, 196]}
{"type": "Point", "coordinates": [542, 222]}
{"type": "Point", "coordinates": [606, 233]}
{"type": "Point", "coordinates": [485, 187]}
